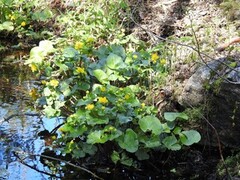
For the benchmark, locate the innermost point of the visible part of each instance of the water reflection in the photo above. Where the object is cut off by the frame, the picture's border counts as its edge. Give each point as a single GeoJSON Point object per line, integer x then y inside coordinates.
{"type": "Point", "coordinates": [19, 132]}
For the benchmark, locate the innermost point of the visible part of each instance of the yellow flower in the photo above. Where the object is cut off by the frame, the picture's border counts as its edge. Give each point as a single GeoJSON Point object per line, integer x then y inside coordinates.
{"type": "Point", "coordinates": [154, 57]}
{"type": "Point", "coordinates": [135, 56]}
{"type": "Point", "coordinates": [163, 61]}
{"type": "Point", "coordinates": [103, 100]}
{"type": "Point", "coordinates": [44, 82]}
{"type": "Point", "coordinates": [33, 93]}
{"type": "Point", "coordinates": [103, 89]}
{"type": "Point", "coordinates": [90, 107]}
{"type": "Point", "coordinates": [127, 96]}
{"type": "Point", "coordinates": [78, 45]}
{"type": "Point", "coordinates": [12, 17]}
{"type": "Point", "coordinates": [111, 128]}
{"type": "Point", "coordinates": [90, 39]}
{"type": "Point", "coordinates": [143, 105]}
{"type": "Point", "coordinates": [23, 24]}
{"type": "Point", "coordinates": [54, 83]}
{"type": "Point", "coordinates": [33, 67]}
{"type": "Point", "coordinates": [80, 70]}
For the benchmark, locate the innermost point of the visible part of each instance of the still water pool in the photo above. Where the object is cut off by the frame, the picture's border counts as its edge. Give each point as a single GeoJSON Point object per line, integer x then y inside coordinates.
{"type": "Point", "coordinates": [20, 131]}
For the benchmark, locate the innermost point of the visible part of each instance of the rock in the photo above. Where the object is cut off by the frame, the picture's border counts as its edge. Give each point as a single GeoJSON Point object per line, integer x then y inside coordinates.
{"type": "Point", "coordinates": [216, 85]}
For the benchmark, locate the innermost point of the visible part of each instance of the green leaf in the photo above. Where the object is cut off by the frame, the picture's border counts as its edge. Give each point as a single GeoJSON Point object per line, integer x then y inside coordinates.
{"type": "Point", "coordinates": [115, 157]}
{"type": "Point", "coordinates": [97, 137]}
{"type": "Point", "coordinates": [123, 118]}
{"type": "Point", "coordinates": [142, 154]}
{"type": "Point", "coordinates": [46, 46]}
{"type": "Point", "coordinates": [150, 142]}
{"type": "Point", "coordinates": [125, 160]}
{"type": "Point", "coordinates": [171, 143]}
{"type": "Point", "coordinates": [190, 137]}
{"type": "Point", "coordinates": [101, 76]}
{"type": "Point", "coordinates": [47, 92]}
{"type": "Point", "coordinates": [89, 148]}
{"type": "Point", "coordinates": [62, 67]}
{"type": "Point", "coordinates": [36, 55]}
{"type": "Point", "coordinates": [233, 64]}
{"type": "Point", "coordinates": [118, 50]}
{"type": "Point", "coordinates": [70, 52]}
{"type": "Point", "coordinates": [7, 25]}
{"type": "Point", "coordinates": [172, 116]}
{"type": "Point", "coordinates": [115, 62]}
{"type": "Point", "coordinates": [64, 88]}
{"type": "Point", "coordinates": [50, 112]}
{"type": "Point", "coordinates": [77, 153]}
{"type": "Point", "coordinates": [150, 123]}
{"type": "Point", "coordinates": [96, 120]}
{"type": "Point", "coordinates": [129, 141]}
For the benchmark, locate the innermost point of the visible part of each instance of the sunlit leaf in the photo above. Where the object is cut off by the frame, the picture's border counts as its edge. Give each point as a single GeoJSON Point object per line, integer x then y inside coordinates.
{"type": "Point", "coordinates": [115, 62]}
{"type": "Point", "coordinates": [46, 46]}
{"type": "Point", "coordinates": [101, 76]}
{"type": "Point", "coordinates": [97, 136]}
{"type": "Point", "coordinates": [7, 25]}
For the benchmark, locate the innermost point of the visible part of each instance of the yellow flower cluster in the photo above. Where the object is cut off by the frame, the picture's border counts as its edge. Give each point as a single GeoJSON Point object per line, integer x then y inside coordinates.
{"type": "Point", "coordinates": [78, 45]}
{"type": "Point", "coordinates": [127, 96]}
{"type": "Point", "coordinates": [33, 67]}
{"type": "Point", "coordinates": [90, 39]}
{"type": "Point", "coordinates": [154, 57]}
{"type": "Point", "coordinates": [80, 70]}
{"type": "Point", "coordinates": [33, 93]}
{"type": "Point", "coordinates": [163, 61]}
{"type": "Point", "coordinates": [103, 100]}
{"type": "Point", "coordinates": [54, 83]}
{"type": "Point", "coordinates": [103, 89]}
{"type": "Point", "coordinates": [90, 107]}
{"type": "Point", "coordinates": [23, 24]}
{"type": "Point", "coordinates": [12, 17]}
{"type": "Point", "coordinates": [135, 56]}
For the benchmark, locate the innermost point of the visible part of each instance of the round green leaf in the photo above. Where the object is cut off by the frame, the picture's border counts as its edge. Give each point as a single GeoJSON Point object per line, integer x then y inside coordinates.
{"type": "Point", "coordinates": [171, 143]}
{"type": "Point", "coordinates": [129, 141]}
{"type": "Point", "coordinates": [96, 137]}
{"type": "Point", "coordinates": [114, 62]}
{"type": "Point", "coordinates": [150, 123]}
{"type": "Point", "coordinates": [101, 76]}
{"type": "Point", "coordinates": [172, 116]}
{"type": "Point", "coordinates": [190, 138]}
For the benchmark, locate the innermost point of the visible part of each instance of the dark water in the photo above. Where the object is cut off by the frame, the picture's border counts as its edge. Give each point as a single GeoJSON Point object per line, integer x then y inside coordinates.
{"type": "Point", "coordinates": [20, 132]}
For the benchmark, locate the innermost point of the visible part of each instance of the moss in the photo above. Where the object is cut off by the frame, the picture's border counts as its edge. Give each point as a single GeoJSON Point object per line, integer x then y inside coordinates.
{"type": "Point", "coordinates": [230, 167]}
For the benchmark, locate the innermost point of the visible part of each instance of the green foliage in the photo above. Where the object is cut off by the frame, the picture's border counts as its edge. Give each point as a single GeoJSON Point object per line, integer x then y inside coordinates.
{"type": "Point", "coordinates": [231, 8]}
{"type": "Point", "coordinates": [100, 100]}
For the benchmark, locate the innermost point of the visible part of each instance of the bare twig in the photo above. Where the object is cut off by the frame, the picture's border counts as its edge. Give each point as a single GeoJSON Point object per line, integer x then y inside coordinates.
{"type": "Point", "coordinates": [60, 160]}
{"type": "Point", "coordinates": [34, 168]}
